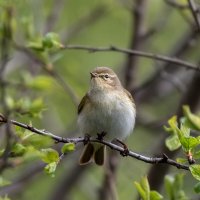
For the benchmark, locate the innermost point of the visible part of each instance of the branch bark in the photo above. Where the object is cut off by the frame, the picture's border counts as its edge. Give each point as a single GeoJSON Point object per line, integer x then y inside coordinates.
{"type": "Point", "coordinates": [191, 97]}
{"type": "Point", "coordinates": [149, 55]}
{"type": "Point", "coordinates": [195, 13]}
{"type": "Point", "coordinates": [151, 160]}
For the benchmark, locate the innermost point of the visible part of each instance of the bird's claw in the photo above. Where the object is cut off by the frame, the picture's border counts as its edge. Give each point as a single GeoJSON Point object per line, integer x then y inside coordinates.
{"type": "Point", "coordinates": [86, 139]}
{"type": "Point", "coordinates": [125, 152]}
{"type": "Point", "coordinates": [101, 135]}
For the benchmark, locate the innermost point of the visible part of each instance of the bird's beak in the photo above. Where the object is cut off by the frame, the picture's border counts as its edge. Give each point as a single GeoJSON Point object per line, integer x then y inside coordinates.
{"type": "Point", "coordinates": [93, 75]}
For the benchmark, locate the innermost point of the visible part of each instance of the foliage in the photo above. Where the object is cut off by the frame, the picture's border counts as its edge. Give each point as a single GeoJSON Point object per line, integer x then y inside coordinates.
{"type": "Point", "coordinates": [181, 137]}
{"type": "Point", "coordinates": [145, 192]}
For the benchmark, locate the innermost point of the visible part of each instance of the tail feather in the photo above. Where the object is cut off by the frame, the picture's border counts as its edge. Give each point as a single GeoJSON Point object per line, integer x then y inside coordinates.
{"type": "Point", "coordinates": [87, 154]}
{"type": "Point", "coordinates": [99, 155]}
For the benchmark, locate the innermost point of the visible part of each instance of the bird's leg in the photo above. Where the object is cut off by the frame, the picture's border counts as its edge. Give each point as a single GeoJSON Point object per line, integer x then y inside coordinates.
{"type": "Point", "coordinates": [101, 135]}
{"type": "Point", "coordinates": [86, 139]}
{"type": "Point", "coordinates": [125, 152]}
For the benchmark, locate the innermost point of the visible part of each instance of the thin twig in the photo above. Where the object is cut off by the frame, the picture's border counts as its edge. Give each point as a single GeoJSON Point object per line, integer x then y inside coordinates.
{"type": "Point", "coordinates": [151, 160]}
{"type": "Point", "coordinates": [53, 73]}
{"type": "Point", "coordinates": [195, 13]}
{"type": "Point", "coordinates": [176, 4]}
{"type": "Point", "coordinates": [177, 61]}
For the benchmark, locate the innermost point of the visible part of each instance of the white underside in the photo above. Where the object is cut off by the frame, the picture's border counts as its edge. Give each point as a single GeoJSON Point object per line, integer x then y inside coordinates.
{"type": "Point", "coordinates": [107, 113]}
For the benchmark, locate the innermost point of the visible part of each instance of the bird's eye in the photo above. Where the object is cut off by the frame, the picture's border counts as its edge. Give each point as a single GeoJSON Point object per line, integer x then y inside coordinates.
{"type": "Point", "coordinates": [106, 76]}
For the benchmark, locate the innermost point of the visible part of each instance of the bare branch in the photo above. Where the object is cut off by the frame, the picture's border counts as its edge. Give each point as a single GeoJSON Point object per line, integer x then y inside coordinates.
{"type": "Point", "coordinates": [138, 27]}
{"type": "Point", "coordinates": [49, 69]}
{"type": "Point", "coordinates": [176, 4]}
{"type": "Point", "coordinates": [51, 20]}
{"type": "Point", "coordinates": [149, 55]}
{"type": "Point", "coordinates": [151, 160]}
{"type": "Point", "coordinates": [195, 12]}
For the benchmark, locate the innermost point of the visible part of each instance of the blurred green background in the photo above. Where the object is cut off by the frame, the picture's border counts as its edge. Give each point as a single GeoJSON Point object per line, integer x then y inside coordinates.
{"type": "Point", "coordinates": [98, 24]}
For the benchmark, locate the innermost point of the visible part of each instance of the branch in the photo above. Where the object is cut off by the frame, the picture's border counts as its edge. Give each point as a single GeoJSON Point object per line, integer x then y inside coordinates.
{"type": "Point", "coordinates": [49, 69]}
{"type": "Point", "coordinates": [151, 160]}
{"type": "Point", "coordinates": [195, 12]}
{"type": "Point", "coordinates": [149, 55]}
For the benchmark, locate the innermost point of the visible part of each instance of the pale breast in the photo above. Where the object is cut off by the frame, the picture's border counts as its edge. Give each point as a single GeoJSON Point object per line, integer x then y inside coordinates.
{"type": "Point", "coordinates": [108, 113]}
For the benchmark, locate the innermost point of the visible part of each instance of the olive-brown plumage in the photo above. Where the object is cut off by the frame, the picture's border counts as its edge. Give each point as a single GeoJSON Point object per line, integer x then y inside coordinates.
{"type": "Point", "coordinates": [107, 107]}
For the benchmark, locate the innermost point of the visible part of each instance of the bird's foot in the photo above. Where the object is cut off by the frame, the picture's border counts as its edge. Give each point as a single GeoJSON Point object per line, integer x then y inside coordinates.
{"type": "Point", "coordinates": [86, 139]}
{"type": "Point", "coordinates": [101, 135]}
{"type": "Point", "coordinates": [125, 152]}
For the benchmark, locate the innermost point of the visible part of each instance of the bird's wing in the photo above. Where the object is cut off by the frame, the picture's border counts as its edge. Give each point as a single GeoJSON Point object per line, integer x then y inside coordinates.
{"type": "Point", "coordinates": [83, 102]}
{"type": "Point", "coordinates": [130, 96]}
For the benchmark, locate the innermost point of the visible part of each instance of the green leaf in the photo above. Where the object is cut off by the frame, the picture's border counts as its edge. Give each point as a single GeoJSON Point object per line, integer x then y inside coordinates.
{"type": "Point", "coordinates": [195, 170]}
{"type": "Point", "coordinates": [36, 141]}
{"type": "Point", "coordinates": [172, 142]}
{"type": "Point", "coordinates": [4, 182]}
{"type": "Point", "coordinates": [140, 190]}
{"type": "Point", "coordinates": [51, 168]}
{"type": "Point", "coordinates": [173, 185]}
{"type": "Point", "coordinates": [36, 45]}
{"type": "Point", "coordinates": [1, 151]}
{"type": "Point", "coordinates": [187, 123]}
{"type": "Point", "coordinates": [169, 180]}
{"type": "Point", "coordinates": [194, 119]}
{"type": "Point", "coordinates": [5, 198]}
{"type": "Point", "coordinates": [188, 143]}
{"type": "Point", "coordinates": [49, 155]}
{"type": "Point", "coordinates": [18, 150]}
{"type": "Point", "coordinates": [154, 195]}
{"type": "Point", "coordinates": [40, 82]}
{"type": "Point", "coordinates": [181, 160]}
{"type": "Point", "coordinates": [51, 40]}
{"type": "Point", "coordinates": [196, 154]}
{"type": "Point", "coordinates": [146, 187]}
{"type": "Point", "coordinates": [197, 187]}
{"type": "Point", "coordinates": [68, 147]}
{"type": "Point", "coordinates": [10, 102]}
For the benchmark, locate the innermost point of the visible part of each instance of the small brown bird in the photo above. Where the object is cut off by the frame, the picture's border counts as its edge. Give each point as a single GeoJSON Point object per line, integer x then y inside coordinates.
{"type": "Point", "coordinates": [106, 108]}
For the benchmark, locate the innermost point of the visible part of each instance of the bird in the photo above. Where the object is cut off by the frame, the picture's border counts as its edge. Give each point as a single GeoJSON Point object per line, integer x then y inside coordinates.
{"type": "Point", "coordinates": [108, 109]}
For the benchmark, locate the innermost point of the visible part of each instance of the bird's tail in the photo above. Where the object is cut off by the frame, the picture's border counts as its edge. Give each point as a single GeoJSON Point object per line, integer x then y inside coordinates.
{"type": "Point", "coordinates": [93, 151]}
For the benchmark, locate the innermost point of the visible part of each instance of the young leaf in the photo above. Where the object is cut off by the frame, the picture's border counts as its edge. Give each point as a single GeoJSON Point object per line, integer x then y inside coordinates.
{"type": "Point", "coordinates": [146, 187]}
{"type": "Point", "coordinates": [5, 198]}
{"type": "Point", "coordinates": [197, 187]}
{"type": "Point", "coordinates": [18, 150]}
{"type": "Point", "coordinates": [4, 182]}
{"type": "Point", "coordinates": [145, 192]}
{"type": "Point", "coordinates": [172, 142]}
{"type": "Point", "coordinates": [140, 190]}
{"type": "Point", "coordinates": [195, 170]}
{"type": "Point", "coordinates": [68, 147]}
{"type": "Point", "coordinates": [194, 119]}
{"type": "Point", "coordinates": [181, 160]}
{"type": "Point", "coordinates": [51, 40]}
{"type": "Point", "coordinates": [51, 168]}
{"type": "Point", "coordinates": [154, 195]}
{"type": "Point", "coordinates": [49, 155]}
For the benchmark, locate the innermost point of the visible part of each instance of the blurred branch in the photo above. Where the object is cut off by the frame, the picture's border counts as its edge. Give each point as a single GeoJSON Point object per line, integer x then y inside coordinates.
{"type": "Point", "coordinates": [151, 160]}
{"type": "Point", "coordinates": [191, 97]}
{"type": "Point", "coordinates": [155, 85]}
{"type": "Point", "coordinates": [177, 61]}
{"type": "Point", "coordinates": [138, 28]}
{"type": "Point", "coordinates": [54, 15]}
{"type": "Point", "coordinates": [49, 69]}
{"type": "Point", "coordinates": [22, 181]}
{"type": "Point", "coordinates": [83, 23]}
{"type": "Point", "coordinates": [176, 4]}
{"type": "Point", "coordinates": [195, 13]}
{"type": "Point", "coordinates": [108, 189]}
{"type": "Point", "coordinates": [5, 43]}
{"type": "Point", "coordinates": [67, 183]}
